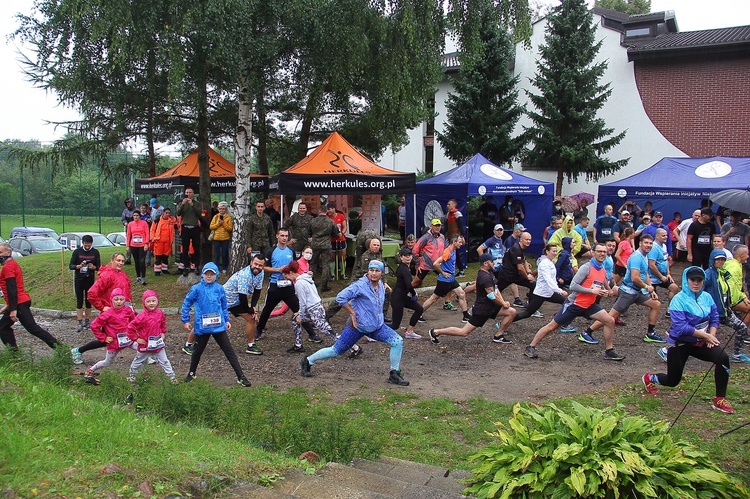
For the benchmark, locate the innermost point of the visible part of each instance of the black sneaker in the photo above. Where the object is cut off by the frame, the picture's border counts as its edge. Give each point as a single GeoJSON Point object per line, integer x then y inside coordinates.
{"type": "Point", "coordinates": [501, 339]}
{"type": "Point", "coordinates": [190, 377]}
{"type": "Point", "coordinates": [243, 381]}
{"type": "Point", "coordinates": [253, 350]}
{"type": "Point", "coordinates": [129, 399]}
{"type": "Point", "coordinates": [518, 303]}
{"type": "Point", "coordinates": [355, 352]}
{"type": "Point", "coordinates": [612, 354]}
{"type": "Point", "coordinates": [433, 336]}
{"type": "Point", "coordinates": [258, 334]}
{"type": "Point", "coordinates": [305, 366]}
{"type": "Point", "coordinates": [315, 338]}
{"type": "Point", "coordinates": [396, 378]}
{"type": "Point", "coordinates": [421, 319]}
{"type": "Point", "coordinates": [80, 327]}
{"type": "Point", "coordinates": [128, 262]}
{"type": "Point", "coordinates": [295, 349]}
{"type": "Point", "coordinates": [466, 318]}
{"type": "Point", "coordinates": [530, 352]}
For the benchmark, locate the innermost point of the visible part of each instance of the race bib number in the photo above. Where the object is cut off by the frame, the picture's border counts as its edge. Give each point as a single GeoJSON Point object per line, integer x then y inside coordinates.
{"type": "Point", "coordinates": [84, 269]}
{"type": "Point", "coordinates": [283, 283]}
{"type": "Point", "coordinates": [703, 326]}
{"type": "Point", "coordinates": [732, 240]}
{"type": "Point", "coordinates": [211, 320]}
{"type": "Point", "coordinates": [123, 341]}
{"type": "Point", "coordinates": [597, 285]}
{"type": "Point", "coordinates": [137, 239]}
{"type": "Point", "coordinates": [155, 343]}
{"type": "Point", "coordinates": [607, 231]}
{"type": "Point", "coordinates": [704, 239]}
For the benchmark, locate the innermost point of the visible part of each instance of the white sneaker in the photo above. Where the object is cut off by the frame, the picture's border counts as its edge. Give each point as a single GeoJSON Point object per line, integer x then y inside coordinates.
{"type": "Point", "coordinates": [411, 335]}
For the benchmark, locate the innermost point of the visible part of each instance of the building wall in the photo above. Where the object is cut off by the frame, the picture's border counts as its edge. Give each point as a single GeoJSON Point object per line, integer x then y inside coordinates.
{"type": "Point", "coordinates": [699, 105]}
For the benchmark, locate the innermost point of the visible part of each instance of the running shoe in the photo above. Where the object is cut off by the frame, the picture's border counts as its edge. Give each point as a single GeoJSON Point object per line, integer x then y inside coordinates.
{"type": "Point", "coordinates": [449, 306]}
{"type": "Point", "coordinates": [243, 380]}
{"type": "Point", "coordinates": [190, 377]}
{"type": "Point", "coordinates": [76, 356]}
{"type": "Point", "coordinates": [433, 336]}
{"type": "Point", "coordinates": [355, 352]}
{"type": "Point", "coordinates": [295, 349]}
{"type": "Point", "coordinates": [653, 338]}
{"type": "Point", "coordinates": [461, 273]}
{"type": "Point", "coordinates": [422, 319]}
{"type": "Point", "coordinates": [188, 349]}
{"type": "Point", "coordinates": [721, 404]}
{"type": "Point", "coordinates": [587, 338]}
{"type": "Point", "coordinates": [741, 358]}
{"type": "Point", "coordinates": [662, 352]}
{"type": "Point", "coordinates": [143, 281]}
{"type": "Point", "coordinates": [151, 360]}
{"type": "Point", "coordinates": [396, 378]}
{"type": "Point", "coordinates": [258, 334]}
{"type": "Point", "coordinates": [620, 322]}
{"type": "Point", "coordinates": [518, 303]}
{"type": "Point", "coordinates": [650, 386]}
{"type": "Point", "coordinates": [315, 338]}
{"type": "Point", "coordinates": [501, 338]}
{"type": "Point", "coordinates": [612, 354]}
{"type": "Point", "coordinates": [538, 315]}
{"type": "Point", "coordinates": [569, 329]}
{"type": "Point", "coordinates": [411, 335]}
{"type": "Point", "coordinates": [305, 367]}
{"type": "Point", "coordinates": [530, 352]}
{"type": "Point", "coordinates": [80, 327]}
{"type": "Point", "coordinates": [466, 318]}
{"type": "Point", "coordinates": [253, 350]}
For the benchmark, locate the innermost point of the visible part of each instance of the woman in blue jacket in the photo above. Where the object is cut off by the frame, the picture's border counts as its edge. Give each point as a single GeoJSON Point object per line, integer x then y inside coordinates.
{"type": "Point", "coordinates": [211, 319]}
{"type": "Point", "coordinates": [695, 320]}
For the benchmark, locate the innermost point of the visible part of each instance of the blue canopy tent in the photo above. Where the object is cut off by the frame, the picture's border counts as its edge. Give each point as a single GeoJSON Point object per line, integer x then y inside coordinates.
{"type": "Point", "coordinates": [677, 184]}
{"type": "Point", "coordinates": [480, 177]}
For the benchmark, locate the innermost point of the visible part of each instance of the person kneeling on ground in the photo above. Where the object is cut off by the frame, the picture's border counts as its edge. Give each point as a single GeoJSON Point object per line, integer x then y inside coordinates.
{"type": "Point", "coordinates": [488, 305]}
{"type": "Point", "coordinates": [695, 320]}
{"type": "Point", "coordinates": [363, 299]}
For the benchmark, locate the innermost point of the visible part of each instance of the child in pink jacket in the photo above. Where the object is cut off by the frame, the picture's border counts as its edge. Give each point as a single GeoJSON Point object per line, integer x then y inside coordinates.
{"type": "Point", "coordinates": [111, 329]}
{"type": "Point", "coordinates": [148, 330]}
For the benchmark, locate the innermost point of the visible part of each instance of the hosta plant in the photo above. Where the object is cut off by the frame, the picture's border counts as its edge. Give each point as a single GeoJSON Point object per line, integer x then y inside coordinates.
{"type": "Point", "coordinates": [547, 452]}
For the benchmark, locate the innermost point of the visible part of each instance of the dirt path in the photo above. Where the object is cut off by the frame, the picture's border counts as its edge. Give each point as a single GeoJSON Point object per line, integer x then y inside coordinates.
{"type": "Point", "coordinates": [457, 368]}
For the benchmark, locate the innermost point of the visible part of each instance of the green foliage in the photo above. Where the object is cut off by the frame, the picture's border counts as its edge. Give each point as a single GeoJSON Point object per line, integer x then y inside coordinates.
{"type": "Point", "coordinates": [585, 452]}
{"type": "Point", "coordinates": [568, 135]}
{"type": "Point", "coordinates": [630, 7]}
{"type": "Point", "coordinates": [483, 111]}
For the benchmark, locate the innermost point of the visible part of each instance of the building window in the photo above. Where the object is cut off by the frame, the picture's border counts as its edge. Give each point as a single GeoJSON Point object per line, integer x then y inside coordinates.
{"type": "Point", "coordinates": [429, 158]}
{"type": "Point", "coordinates": [637, 32]}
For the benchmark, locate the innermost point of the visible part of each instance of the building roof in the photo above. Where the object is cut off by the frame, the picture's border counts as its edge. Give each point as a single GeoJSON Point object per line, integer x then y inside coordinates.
{"type": "Point", "coordinates": [724, 40]}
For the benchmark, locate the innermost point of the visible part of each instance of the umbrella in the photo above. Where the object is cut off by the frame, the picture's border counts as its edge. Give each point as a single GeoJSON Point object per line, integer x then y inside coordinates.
{"type": "Point", "coordinates": [581, 196]}
{"type": "Point", "coordinates": [568, 204]}
{"type": "Point", "coordinates": [734, 199]}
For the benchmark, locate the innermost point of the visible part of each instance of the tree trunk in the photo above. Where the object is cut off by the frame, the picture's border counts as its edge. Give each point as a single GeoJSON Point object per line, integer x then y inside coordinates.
{"type": "Point", "coordinates": [559, 182]}
{"type": "Point", "coordinates": [204, 183]}
{"type": "Point", "coordinates": [242, 156]}
{"type": "Point", "coordinates": [262, 131]}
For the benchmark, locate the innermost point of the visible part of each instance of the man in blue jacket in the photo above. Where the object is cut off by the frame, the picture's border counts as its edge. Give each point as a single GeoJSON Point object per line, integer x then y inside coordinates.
{"type": "Point", "coordinates": [363, 299]}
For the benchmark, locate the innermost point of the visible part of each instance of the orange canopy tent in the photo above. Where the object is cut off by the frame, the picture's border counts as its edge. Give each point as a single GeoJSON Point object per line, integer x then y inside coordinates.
{"type": "Point", "coordinates": [336, 167]}
{"type": "Point", "coordinates": [186, 173]}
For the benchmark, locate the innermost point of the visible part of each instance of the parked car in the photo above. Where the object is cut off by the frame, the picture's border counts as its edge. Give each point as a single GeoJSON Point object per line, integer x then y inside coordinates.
{"type": "Point", "coordinates": [13, 253]}
{"type": "Point", "coordinates": [31, 245]}
{"type": "Point", "coordinates": [73, 240]}
{"type": "Point", "coordinates": [117, 238]}
{"type": "Point", "coordinates": [33, 231]}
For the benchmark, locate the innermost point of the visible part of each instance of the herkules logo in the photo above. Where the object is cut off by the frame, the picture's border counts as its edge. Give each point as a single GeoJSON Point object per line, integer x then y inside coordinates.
{"type": "Point", "coordinates": [338, 158]}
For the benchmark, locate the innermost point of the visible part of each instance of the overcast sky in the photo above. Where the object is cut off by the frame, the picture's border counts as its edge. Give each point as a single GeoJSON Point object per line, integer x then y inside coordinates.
{"type": "Point", "coordinates": [26, 109]}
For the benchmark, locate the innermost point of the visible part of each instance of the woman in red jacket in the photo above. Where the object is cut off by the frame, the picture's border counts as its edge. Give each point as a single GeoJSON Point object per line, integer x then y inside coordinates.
{"type": "Point", "coordinates": [137, 239]}
{"type": "Point", "coordinates": [110, 277]}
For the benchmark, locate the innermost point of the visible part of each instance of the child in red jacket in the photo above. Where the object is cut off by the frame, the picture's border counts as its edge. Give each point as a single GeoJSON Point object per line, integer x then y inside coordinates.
{"type": "Point", "coordinates": [111, 329]}
{"type": "Point", "coordinates": [147, 330]}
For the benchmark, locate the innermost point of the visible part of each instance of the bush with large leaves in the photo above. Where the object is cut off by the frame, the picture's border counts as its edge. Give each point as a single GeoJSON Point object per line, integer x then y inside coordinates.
{"type": "Point", "coordinates": [547, 452]}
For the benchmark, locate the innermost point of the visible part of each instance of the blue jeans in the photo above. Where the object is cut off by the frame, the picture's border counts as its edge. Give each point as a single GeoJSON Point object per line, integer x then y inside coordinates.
{"type": "Point", "coordinates": [221, 254]}
{"type": "Point", "coordinates": [350, 336]}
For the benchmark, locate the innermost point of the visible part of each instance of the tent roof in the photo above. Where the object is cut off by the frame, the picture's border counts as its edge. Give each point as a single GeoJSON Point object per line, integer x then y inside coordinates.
{"type": "Point", "coordinates": [188, 167]}
{"type": "Point", "coordinates": [186, 174]}
{"type": "Point", "coordinates": [335, 166]}
{"type": "Point", "coordinates": [670, 176]}
{"type": "Point", "coordinates": [482, 177]}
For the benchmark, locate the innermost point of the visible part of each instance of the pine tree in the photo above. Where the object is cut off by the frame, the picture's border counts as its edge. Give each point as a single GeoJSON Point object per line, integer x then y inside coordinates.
{"type": "Point", "coordinates": [626, 6]}
{"type": "Point", "coordinates": [484, 109]}
{"type": "Point", "coordinates": [567, 134]}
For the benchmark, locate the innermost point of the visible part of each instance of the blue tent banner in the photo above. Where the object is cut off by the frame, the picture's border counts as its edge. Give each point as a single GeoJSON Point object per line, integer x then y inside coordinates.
{"type": "Point", "coordinates": [480, 177]}
{"type": "Point", "coordinates": [677, 184]}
